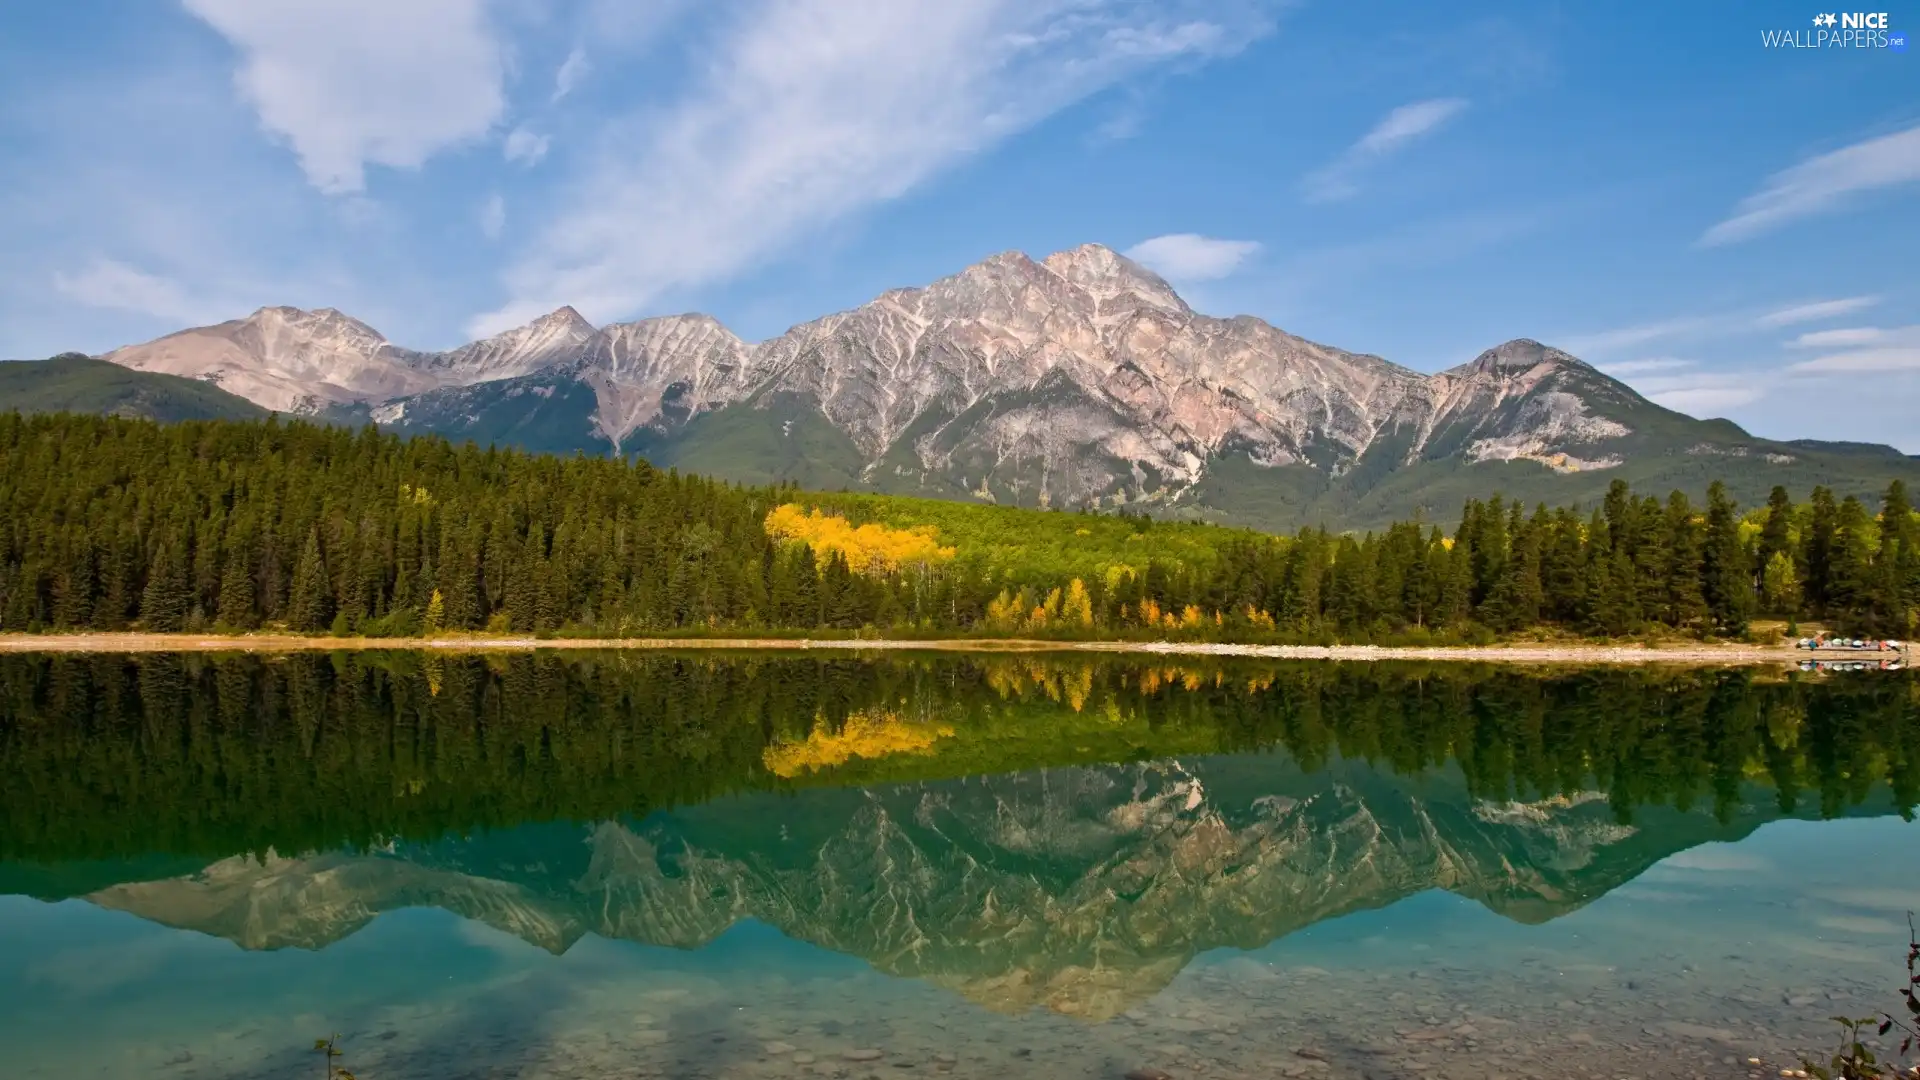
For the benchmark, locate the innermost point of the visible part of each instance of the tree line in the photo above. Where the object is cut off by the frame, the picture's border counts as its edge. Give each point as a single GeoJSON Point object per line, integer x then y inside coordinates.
{"type": "Point", "coordinates": [115, 756]}
{"type": "Point", "coordinates": [110, 524]}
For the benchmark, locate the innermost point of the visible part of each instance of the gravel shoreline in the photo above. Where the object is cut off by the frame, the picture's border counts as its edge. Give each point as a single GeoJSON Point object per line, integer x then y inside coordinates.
{"type": "Point", "coordinates": [1519, 653]}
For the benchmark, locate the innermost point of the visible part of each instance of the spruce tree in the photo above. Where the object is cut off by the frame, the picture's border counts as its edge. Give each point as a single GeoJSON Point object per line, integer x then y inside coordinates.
{"type": "Point", "coordinates": [164, 602]}
{"type": "Point", "coordinates": [1816, 550]}
{"type": "Point", "coordinates": [1685, 602]}
{"type": "Point", "coordinates": [236, 610]}
{"type": "Point", "coordinates": [1776, 535]}
{"type": "Point", "coordinates": [1850, 576]}
{"type": "Point", "coordinates": [1895, 563]}
{"type": "Point", "coordinates": [806, 588]}
{"type": "Point", "coordinates": [73, 590]}
{"type": "Point", "coordinates": [1727, 579]}
{"type": "Point", "coordinates": [310, 604]}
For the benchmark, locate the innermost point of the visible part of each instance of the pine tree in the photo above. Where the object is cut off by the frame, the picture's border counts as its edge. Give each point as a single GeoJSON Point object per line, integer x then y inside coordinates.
{"type": "Point", "coordinates": [236, 610]}
{"type": "Point", "coordinates": [310, 604]}
{"type": "Point", "coordinates": [1726, 578]}
{"type": "Point", "coordinates": [1894, 564]}
{"type": "Point", "coordinates": [1685, 603]}
{"type": "Point", "coordinates": [806, 588]}
{"type": "Point", "coordinates": [1816, 550]}
{"type": "Point", "coordinates": [1777, 534]}
{"type": "Point", "coordinates": [1850, 568]}
{"type": "Point", "coordinates": [73, 590]}
{"type": "Point", "coordinates": [164, 602]}
{"type": "Point", "coordinates": [839, 605]}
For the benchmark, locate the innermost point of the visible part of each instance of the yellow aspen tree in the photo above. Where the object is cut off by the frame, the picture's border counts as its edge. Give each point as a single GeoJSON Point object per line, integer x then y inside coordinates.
{"type": "Point", "coordinates": [1078, 606]}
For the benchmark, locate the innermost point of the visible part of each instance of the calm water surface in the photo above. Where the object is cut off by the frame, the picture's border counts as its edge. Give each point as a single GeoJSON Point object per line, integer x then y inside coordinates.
{"type": "Point", "coordinates": [694, 866]}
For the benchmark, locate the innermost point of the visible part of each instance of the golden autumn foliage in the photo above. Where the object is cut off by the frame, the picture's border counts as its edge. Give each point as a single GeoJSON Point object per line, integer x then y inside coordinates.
{"type": "Point", "coordinates": [868, 549]}
{"type": "Point", "coordinates": [1070, 608]}
{"type": "Point", "coordinates": [868, 733]}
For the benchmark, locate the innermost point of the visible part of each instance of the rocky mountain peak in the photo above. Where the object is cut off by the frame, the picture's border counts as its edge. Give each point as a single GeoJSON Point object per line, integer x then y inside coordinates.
{"type": "Point", "coordinates": [551, 339]}
{"type": "Point", "coordinates": [1109, 275]}
{"type": "Point", "coordinates": [1521, 354]}
{"type": "Point", "coordinates": [564, 315]}
{"type": "Point", "coordinates": [321, 326]}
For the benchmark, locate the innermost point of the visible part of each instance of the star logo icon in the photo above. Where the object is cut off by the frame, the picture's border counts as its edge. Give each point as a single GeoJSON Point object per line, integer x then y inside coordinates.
{"type": "Point", "coordinates": [1831, 20]}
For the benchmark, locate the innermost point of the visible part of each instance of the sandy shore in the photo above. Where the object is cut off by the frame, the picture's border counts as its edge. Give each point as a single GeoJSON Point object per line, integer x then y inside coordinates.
{"type": "Point", "coordinates": [1677, 653]}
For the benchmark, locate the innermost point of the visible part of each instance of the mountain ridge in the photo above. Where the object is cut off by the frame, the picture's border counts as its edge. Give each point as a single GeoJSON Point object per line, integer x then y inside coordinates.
{"type": "Point", "coordinates": [1079, 380]}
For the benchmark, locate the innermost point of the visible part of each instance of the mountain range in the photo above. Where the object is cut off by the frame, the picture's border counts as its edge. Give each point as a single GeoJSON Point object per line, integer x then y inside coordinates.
{"type": "Point", "coordinates": [1083, 889]}
{"type": "Point", "coordinates": [1078, 380]}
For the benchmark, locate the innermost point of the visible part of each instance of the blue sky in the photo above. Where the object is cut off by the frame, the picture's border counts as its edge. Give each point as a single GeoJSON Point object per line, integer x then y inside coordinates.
{"type": "Point", "coordinates": [1727, 226]}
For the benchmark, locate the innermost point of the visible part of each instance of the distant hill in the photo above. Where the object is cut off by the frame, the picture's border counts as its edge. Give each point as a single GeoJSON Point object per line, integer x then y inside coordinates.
{"type": "Point", "coordinates": [71, 382]}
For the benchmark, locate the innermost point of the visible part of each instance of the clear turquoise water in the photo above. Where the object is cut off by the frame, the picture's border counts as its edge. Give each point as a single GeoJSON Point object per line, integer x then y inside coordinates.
{"type": "Point", "coordinates": [1206, 914]}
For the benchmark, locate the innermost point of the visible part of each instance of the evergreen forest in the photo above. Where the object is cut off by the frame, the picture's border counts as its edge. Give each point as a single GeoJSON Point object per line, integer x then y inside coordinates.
{"type": "Point", "coordinates": [245, 525]}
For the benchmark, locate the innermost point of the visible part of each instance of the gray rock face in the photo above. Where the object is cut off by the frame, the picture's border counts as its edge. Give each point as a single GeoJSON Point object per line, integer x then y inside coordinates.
{"type": "Point", "coordinates": [1079, 379]}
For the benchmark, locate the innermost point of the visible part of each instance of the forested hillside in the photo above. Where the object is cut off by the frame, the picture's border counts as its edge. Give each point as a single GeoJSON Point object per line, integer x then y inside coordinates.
{"type": "Point", "coordinates": [113, 524]}
{"type": "Point", "coordinates": [71, 382]}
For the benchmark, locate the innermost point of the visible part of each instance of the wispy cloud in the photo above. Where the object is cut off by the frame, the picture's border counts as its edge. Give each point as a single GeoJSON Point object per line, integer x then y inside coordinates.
{"type": "Point", "coordinates": [1822, 183]}
{"type": "Point", "coordinates": [1860, 349]}
{"type": "Point", "coordinates": [1638, 334]}
{"type": "Point", "coordinates": [118, 287]}
{"type": "Point", "coordinates": [1818, 310]}
{"type": "Point", "coordinates": [1706, 393]}
{"type": "Point", "coordinates": [352, 83]}
{"type": "Point", "coordinates": [1191, 257]}
{"type": "Point", "coordinates": [493, 216]}
{"type": "Point", "coordinates": [1854, 337]}
{"type": "Point", "coordinates": [524, 146]}
{"type": "Point", "coordinates": [1654, 363]}
{"type": "Point", "coordinates": [573, 70]}
{"type": "Point", "coordinates": [811, 110]}
{"type": "Point", "coordinates": [1339, 179]}
{"type": "Point", "coordinates": [1716, 325]}
{"type": "Point", "coordinates": [1861, 361]}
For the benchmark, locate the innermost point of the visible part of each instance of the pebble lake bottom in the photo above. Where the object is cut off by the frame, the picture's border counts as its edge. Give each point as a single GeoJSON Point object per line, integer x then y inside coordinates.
{"type": "Point", "coordinates": [1270, 911]}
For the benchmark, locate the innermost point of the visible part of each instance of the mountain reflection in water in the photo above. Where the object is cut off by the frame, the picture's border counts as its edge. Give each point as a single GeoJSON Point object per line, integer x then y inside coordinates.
{"type": "Point", "coordinates": [1063, 833]}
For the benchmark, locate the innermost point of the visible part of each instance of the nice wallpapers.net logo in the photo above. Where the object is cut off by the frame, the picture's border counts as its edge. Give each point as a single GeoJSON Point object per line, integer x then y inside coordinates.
{"type": "Point", "coordinates": [1839, 30]}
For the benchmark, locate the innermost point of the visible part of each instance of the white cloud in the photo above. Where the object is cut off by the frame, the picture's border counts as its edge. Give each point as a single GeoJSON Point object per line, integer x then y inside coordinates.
{"type": "Point", "coordinates": [1337, 180]}
{"type": "Point", "coordinates": [1861, 361]}
{"type": "Point", "coordinates": [493, 216]}
{"type": "Point", "coordinates": [1627, 337]}
{"type": "Point", "coordinates": [349, 83]}
{"type": "Point", "coordinates": [1821, 183]}
{"type": "Point", "coordinates": [1814, 312]}
{"type": "Point", "coordinates": [1854, 337]}
{"type": "Point", "coordinates": [1409, 122]}
{"type": "Point", "coordinates": [1655, 363]}
{"type": "Point", "coordinates": [810, 110]}
{"type": "Point", "coordinates": [1190, 257]}
{"type": "Point", "coordinates": [574, 69]}
{"type": "Point", "coordinates": [525, 146]}
{"type": "Point", "coordinates": [119, 287]}
{"type": "Point", "coordinates": [1705, 393]}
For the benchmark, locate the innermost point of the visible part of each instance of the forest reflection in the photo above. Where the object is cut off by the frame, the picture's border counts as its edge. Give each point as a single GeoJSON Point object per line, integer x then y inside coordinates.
{"type": "Point", "coordinates": [208, 755]}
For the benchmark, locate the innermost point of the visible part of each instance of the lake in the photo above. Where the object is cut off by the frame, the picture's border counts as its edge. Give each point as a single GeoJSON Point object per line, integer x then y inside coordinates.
{"type": "Point", "coordinates": [688, 865]}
